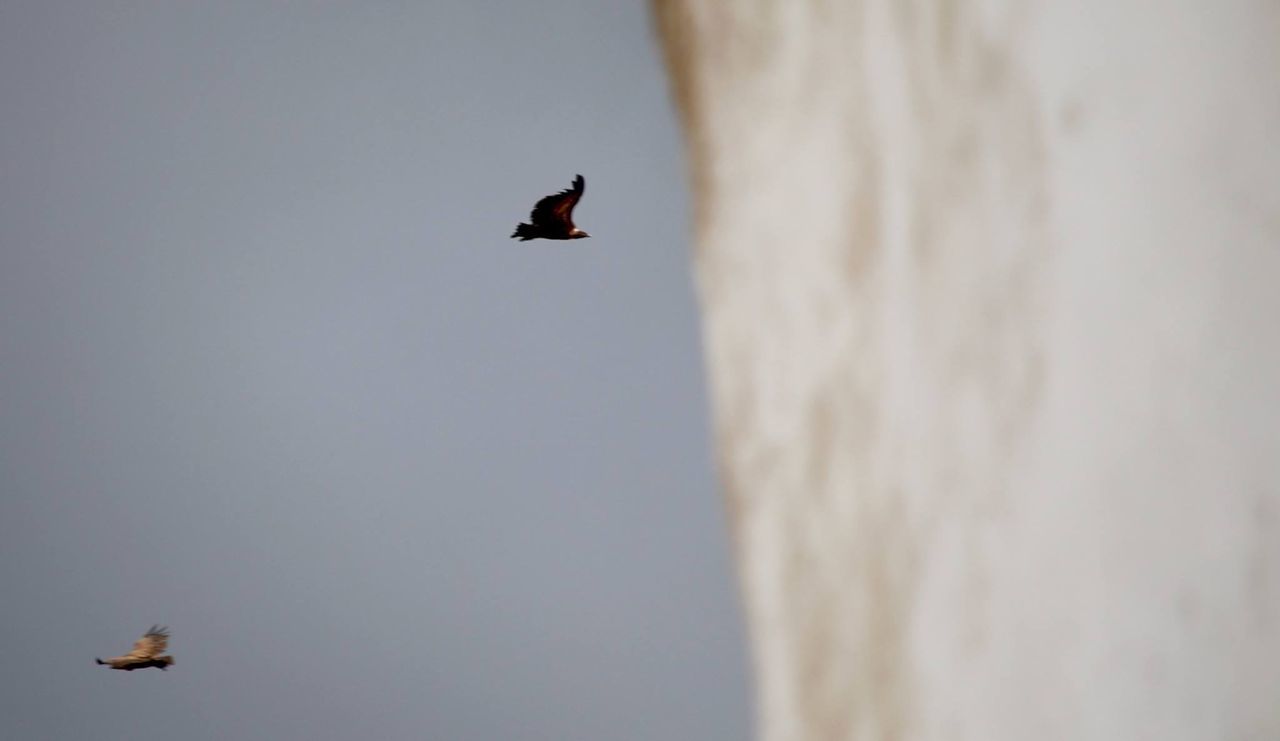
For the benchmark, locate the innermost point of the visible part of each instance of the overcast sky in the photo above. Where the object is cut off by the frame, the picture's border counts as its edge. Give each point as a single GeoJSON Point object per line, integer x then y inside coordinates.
{"type": "Point", "coordinates": [273, 374]}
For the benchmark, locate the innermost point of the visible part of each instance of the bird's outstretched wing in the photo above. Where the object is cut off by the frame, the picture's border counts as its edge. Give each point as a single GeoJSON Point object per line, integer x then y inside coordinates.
{"type": "Point", "coordinates": [558, 209]}
{"type": "Point", "coordinates": [150, 645]}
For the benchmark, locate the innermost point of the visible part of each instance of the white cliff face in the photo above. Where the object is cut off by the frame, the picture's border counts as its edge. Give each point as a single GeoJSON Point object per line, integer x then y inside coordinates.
{"type": "Point", "coordinates": [991, 300]}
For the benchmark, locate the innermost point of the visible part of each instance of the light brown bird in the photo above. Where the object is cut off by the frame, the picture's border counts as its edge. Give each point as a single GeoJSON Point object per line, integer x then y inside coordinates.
{"type": "Point", "coordinates": [147, 652]}
{"type": "Point", "coordinates": [552, 217]}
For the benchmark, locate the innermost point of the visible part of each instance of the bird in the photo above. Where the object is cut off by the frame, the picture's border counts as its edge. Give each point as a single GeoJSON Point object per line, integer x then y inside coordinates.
{"type": "Point", "coordinates": [147, 652]}
{"type": "Point", "coordinates": [552, 216]}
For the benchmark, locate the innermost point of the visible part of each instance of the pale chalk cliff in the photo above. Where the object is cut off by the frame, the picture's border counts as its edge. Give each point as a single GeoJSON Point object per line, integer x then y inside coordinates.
{"type": "Point", "coordinates": [991, 306]}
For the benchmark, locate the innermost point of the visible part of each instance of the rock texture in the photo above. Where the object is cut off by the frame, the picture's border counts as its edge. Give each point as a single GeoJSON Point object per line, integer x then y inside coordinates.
{"type": "Point", "coordinates": [991, 306]}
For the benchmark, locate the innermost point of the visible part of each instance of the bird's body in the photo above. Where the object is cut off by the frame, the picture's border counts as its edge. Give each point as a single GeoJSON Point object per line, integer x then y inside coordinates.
{"type": "Point", "coordinates": [147, 653]}
{"type": "Point", "coordinates": [552, 217]}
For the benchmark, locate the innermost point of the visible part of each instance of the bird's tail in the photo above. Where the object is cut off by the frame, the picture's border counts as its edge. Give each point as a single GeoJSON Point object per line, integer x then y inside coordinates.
{"type": "Point", "coordinates": [524, 231]}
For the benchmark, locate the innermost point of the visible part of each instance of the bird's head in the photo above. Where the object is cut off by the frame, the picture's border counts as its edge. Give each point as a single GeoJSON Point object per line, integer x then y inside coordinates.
{"type": "Point", "coordinates": [578, 234]}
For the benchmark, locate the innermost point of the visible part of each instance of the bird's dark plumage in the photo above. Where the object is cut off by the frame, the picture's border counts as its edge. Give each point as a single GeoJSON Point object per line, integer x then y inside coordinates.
{"type": "Point", "coordinates": [552, 217]}
{"type": "Point", "coordinates": [147, 652]}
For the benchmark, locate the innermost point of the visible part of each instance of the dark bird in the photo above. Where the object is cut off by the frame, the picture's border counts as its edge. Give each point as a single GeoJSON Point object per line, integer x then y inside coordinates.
{"type": "Point", "coordinates": [146, 652]}
{"type": "Point", "coordinates": [552, 217]}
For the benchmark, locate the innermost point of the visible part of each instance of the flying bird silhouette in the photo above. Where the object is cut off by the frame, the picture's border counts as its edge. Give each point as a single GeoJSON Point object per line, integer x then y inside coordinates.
{"type": "Point", "coordinates": [552, 216]}
{"type": "Point", "coordinates": [146, 652]}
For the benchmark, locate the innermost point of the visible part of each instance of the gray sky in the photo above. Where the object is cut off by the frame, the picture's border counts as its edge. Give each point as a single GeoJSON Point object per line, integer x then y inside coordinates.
{"type": "Point", "coordinates": [274, 375]}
